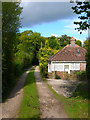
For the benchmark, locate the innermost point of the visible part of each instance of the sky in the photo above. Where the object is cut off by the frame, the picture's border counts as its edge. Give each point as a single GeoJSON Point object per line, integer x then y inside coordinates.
{"type": "Point", "coordinates": [50, 18]}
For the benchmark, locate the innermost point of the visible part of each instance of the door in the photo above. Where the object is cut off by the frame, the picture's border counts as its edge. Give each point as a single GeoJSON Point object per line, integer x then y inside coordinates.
{"type": "Point", "coordinates": [66, 68]}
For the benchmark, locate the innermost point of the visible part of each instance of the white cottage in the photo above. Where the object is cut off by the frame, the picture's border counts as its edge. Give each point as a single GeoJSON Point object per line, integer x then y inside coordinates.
{"type": "Point", "coordinates": [70, 58]}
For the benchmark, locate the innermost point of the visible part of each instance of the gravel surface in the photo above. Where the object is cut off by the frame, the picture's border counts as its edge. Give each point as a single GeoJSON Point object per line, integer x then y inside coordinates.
{"type": "Point", "coordinates": [64, 87]}
{"type": "Point", "coordinates": [11, 106]}
{"type": "Point", "coordinates": [50, 107]}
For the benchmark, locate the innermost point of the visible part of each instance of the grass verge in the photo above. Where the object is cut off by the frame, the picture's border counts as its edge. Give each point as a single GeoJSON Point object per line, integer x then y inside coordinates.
{"type": "Point", "coordinates": [77, 105]}
{"type": "Point", "coordinates": [30, 103]}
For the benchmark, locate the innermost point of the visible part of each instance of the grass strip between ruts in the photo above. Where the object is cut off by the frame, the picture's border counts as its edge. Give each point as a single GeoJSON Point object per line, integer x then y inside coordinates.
{"type": "Point", "coordinates": [30, 107]}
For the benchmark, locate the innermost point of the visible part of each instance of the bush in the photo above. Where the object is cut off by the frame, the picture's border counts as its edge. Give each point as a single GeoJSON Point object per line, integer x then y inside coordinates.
{"type": "Point", "coordinates": [81, 75]}
{"type": "Point", "coordinates": [43, 63]}
{"type": "Point", "coordinates": [17, 69]}
{"type": "Point", "coordinates": [58, 77]}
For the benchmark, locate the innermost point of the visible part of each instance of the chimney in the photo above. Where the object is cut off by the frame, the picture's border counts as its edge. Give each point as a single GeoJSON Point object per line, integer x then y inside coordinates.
{"type": "Point", "coordinates": [72, 41]}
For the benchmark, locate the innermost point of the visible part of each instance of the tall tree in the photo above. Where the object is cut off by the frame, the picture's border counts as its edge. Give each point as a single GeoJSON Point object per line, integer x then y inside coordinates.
{"type": "Point", "coordinates": [47, 44]}
{"type": "Point", "coordinates": [83, 10]}
{"type": "Point", "coordinates": [54, 43]}
{"type": "Point", "coordinates": [78, 42]}
{"type": "Point", "coordinates": [30, 43]}
{"type": "Point", "coordinates": [10, 24]}
{"type": "Point", "coordinates": [86, 44]}
{"type": "Point", "coordinates": [64, 40]}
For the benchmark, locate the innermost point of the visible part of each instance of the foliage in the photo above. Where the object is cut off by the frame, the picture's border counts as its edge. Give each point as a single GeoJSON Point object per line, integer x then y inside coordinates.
{"type": "Point", "coordinates": [26, 52]}
{"type": "Point", "coordinates": [47, 44]}
{"type": "Point", "coordinates": [81, 75]}
{"type": "Point", "coordinates": [88, 60]}
{"type": "Point", "coordinates": [43, 56]}
{"type": "Point", "coordinates": [54, 43]}
{"type": "Point", "coordinates": [82, 9]}
{"type": "Point", "coordinates": [58, 77]}
{"type": "Point", "coordinates": [79, 90]}
{"type": "Point", "coordinates": [86, 44]}
{"type": "Point", "coordinates": [10, 16]}
{"type": "Point", "coordinates": [64, 40]}
{"type": "Point", "coordinates": [10, 24]}
{"type": "Point", "coordinates": [43, 63]}
{"type": "Point", "coordinates": [30, 43]}
{"type": "Point", "coordinates": [78, 42]}
{"type": "Point", "coordinates": [30, 104]}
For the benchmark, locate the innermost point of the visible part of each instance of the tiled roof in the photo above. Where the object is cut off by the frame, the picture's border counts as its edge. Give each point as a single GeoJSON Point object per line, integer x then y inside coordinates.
{"type": "Point", "coordinates": [69, 53]}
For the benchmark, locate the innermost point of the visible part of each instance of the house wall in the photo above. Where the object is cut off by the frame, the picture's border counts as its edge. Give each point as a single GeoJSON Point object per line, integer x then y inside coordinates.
{"type": "Point", "coordinates": [82, 66]}
{"type": "Point", "coordinates": [59, 67]}
{"type": "Point", "coordinates": [49, 68]}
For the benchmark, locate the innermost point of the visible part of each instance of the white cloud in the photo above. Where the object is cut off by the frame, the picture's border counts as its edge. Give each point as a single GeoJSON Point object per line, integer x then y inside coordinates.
{"type": "Point", "coordinates": [54, 35]}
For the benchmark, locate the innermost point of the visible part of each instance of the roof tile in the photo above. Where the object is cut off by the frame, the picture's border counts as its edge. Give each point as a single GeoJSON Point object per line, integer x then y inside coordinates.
{"type": "Point", "coordinates": [69, 53]}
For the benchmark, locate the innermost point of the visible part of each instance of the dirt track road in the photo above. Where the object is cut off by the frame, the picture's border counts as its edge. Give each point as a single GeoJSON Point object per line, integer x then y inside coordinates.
{"type": "Point", "coordinates": [50, 107]}
{"type": "Point", "coordinates": [11, 107]}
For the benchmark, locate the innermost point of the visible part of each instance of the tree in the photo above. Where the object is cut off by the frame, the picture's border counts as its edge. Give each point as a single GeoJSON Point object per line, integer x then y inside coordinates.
{"type": "Point", "coordinates": [83, 10]}
{"type": "Point", "coordinates": [46, 44]}
{"type": "Point", "coordinates": [10, 24]}
{"type": "Point", "coordinates": [54, 43]}
{"type": "Point", "coordinates": [86, 44]}
{"type": "Point", "coordinates": [64, 40]}
{"type": "Point", "coordinates": [78, 42]}
{"type": "Point", "coordinates": [30, 43]}
{"type": "Point", "coordinates": [43, 56]}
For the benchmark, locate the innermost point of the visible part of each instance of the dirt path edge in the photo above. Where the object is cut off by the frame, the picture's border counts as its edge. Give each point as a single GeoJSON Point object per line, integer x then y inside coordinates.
{"type": "Point", "coordinates": [11, 106]}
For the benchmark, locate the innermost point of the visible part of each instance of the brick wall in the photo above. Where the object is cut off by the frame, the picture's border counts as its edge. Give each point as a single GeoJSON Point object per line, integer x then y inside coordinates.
{"type": "Point", "coordinates": [60, 73]}
{"type": "Point", "coordinates": [82, 66]}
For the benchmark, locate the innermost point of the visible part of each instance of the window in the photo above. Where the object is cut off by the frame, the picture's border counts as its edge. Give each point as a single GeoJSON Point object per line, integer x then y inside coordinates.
{"type": "Point", "coordinates": [59, 67]}
{"type": "Point", "coordinates": [66, 66]}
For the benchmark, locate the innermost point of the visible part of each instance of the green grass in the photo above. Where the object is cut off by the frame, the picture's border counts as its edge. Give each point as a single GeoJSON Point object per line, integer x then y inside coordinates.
{"type": "Point", "coordinates": [77, 105]}
{"type": "Point", "coordinates": [30, 107]}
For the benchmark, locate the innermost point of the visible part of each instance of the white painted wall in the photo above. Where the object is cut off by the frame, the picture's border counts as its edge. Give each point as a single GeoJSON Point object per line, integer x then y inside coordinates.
{"type": "Point", "coordinates": [57, 66]}
{"type": "Point", "coordinates": [74, 66]}
{"type": "Point", "coordinates": [60, 66]}
{"type": "Point", "coordinates": [49, 68]}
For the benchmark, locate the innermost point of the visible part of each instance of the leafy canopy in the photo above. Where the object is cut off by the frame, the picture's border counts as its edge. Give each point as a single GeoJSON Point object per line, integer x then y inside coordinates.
{"type": "Point", "coordinates": [78, 42]}
{"type": "Point", "coordinates": [10, 25]}
{"type": "Point", "coordinates": [54, 43]}
{"type": "Point", "coordinates": [83, 10]}
{"type": "Point", "coordinates": [64, 40]}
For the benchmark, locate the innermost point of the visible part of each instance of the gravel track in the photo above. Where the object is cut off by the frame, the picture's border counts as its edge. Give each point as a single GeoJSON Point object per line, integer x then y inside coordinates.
{"type": "Point", "coordinates": [50, 107]}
